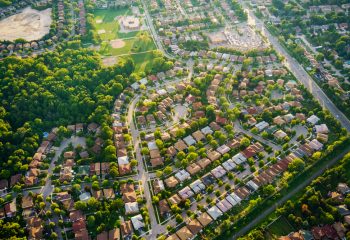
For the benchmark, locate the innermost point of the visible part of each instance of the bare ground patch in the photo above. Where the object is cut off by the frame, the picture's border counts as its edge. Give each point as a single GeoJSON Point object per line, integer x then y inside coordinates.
{"type": "Point", "coordinates": [109, 61]}
{"type": "Point", "coordinates": [117, 43]}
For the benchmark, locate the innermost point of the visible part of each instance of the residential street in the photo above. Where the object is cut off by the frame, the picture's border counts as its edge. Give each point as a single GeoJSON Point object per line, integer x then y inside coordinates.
{"type": "Point", "coordinates": [299, 71]}
{"type": "Point", "coordinates": [300, 187]}
{"type": "Point", "coordinates": [48, 188]}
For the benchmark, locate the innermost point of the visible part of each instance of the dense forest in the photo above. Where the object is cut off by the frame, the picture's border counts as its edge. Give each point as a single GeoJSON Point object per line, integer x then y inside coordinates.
{"type": "Point", "coordinates": [56, 88]}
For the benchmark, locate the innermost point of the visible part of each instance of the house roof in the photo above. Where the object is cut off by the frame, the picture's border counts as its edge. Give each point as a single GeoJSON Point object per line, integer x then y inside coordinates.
{"type": "Point", "coordinates": [126, 228]}
{"type": "Point", "coordinates": [213, 155]}
{"type": "Point", "coordinates": [214, 212]}
{"type": "Point", "coordinates": [194, 226]}
{"type": "Point", "coordinates": [193, 168]}
{"type": "Point", "coordinates": [204, 219]}
{"type": "Point", "coordinates": [184, 233]}
{"type": "Point", "coordinates": [171, 181]}
{"type": "Point", "coordinates": [203, 163]}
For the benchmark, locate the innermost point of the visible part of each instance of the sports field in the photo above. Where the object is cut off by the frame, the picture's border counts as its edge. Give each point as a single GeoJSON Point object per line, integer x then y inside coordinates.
{"type": "Point", "coordinates": [119, 44]}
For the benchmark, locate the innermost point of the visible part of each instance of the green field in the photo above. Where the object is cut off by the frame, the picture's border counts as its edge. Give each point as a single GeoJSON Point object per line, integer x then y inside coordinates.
{"type": "Point", "coordinates": [280, 227]}
{"type": "Point", "coordinates": [109, 24]}
{"type": "Point", "coordinates": [106, 20]}
{"type": "Point", "coordinates": [142, 61]}
{"type": "Point", "coordinates": [132, 45]}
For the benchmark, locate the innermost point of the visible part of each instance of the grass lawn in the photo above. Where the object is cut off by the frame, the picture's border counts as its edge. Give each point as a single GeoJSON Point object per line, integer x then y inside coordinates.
{"type": "Point", "coordinates": [109, 24]}
{"type": "Point", "coordinates": [142, 61]}
{"type": "Point", "coordinates": [131, 46]}
{"type": "Point", "coordinates": [280, 227]}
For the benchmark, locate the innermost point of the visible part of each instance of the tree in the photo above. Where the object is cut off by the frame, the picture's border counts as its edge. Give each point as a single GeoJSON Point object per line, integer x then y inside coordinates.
{"type": "Point", "coordinates": [268, 190]}
{"type": "Point", "coordinates": [245, 142]}
{"type": "Point", "coordinates": [297, 165]}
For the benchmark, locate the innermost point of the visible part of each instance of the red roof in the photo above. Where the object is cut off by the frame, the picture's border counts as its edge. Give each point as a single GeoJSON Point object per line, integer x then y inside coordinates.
{"type": "Point", "coordinates": [79, 225]}
{"type": "Point", "coordinates": [249, 152]}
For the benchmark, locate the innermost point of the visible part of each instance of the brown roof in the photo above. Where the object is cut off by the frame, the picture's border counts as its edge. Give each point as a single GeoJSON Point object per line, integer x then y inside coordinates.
{"type": "Point", "coordinates": [184, 233]}
{"type": "Point", "coordinates": [204, 219]}
{"type": "Point", "coordinates": [27, 202]}
{"type": "Point", "coordinates": [194, 226]}
{"type": "Point", "coordinates": [171, 151]}
{"type": "Point", "coordinates": [180, 145]}
{"type": "Point", "coordinates": [102, 236]}
{"type": "Point", "coordinates": [124, 169]}
{"type": "Point", "coordinates": [76, 215]}
{"type": "Point", "coordinates": [127, 187]}
{"type": "Point", "coordinates": [173, 237]}
{"type": "Point", "coordinates": [129, 197]}
{"type": "Point", "coordinates": [126, 228]}
{"type": "Point", "coordinates": [203, 163]}
{"type": "Point", "coordinates": [154, 153]}
{"type": "Point", "coordinates": [114, 234]}
{"type": "Point", "coordinates": [213, 155]}
{"type": "Point", "coordinates": [198, 135]}
{"type": "Point", "coordinates": [175, 199]}
{"type": "Point", "coordinates": [155, 162]}
{"type": "Point", "coordinates": [171, 181]}
{"type": "Point", "coordinates": [193, 168]}
{"type": "Point", "coordinates": [163, 207]}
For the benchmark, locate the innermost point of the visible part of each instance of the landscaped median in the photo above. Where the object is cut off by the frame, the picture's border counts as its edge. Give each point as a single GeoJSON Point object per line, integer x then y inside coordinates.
{"type": "Point", "coordinates": [227, 229]}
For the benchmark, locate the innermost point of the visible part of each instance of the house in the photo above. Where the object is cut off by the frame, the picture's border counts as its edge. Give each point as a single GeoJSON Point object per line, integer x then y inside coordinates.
{"type": "Point", "coordinates": [137, 222]}
{"type": "Point", "coordinates": [27, 202]}
{"type": "Point", "coordinates": [182, 175]}
{"type": "Point", "coordinates": [184, 233]}
{"type": "Point", "coordinates": [280, 134]}
{"type": "Point", "coordinates": [76, 215]}
{"type": "Point", "coordinates": [194, 226]}
{"type": "Point", "coordinates": [203, 163]}
{"type": "Point", "coordinates": [204, 219]}
{"type": "Point", "coordinates": [131, 208]}
{"type": "Point", "coordinates": [185, 193]}
{"type": "Point", "coordinates": [11, 208]}
{"type": "Point", "coordinates": [3, 187]}
{"type": "Point", "coordinates": [343, 188]}
{"type": "Point", "coordinates": [198, 136]}
{"type": "Point", "coordinates": [224, 205]}
{"type": "Point", "coordinates": [213, 155]}
{"type": "Point", "coordinates": [193, 169]}
{"type": "Point", "coordinates": [322, 128]}
{"type": "Point", "coordinates": [189, 140]}
{"type": "Point", "coordinates": [175, 199]}
{"type": "Point", "coordinates": [214, 212]}
{"type": "Point", "coordinates": [218, 172]}
{"type": "Point", "coordinates": [313, 120]}
{"type": "Point", "coordinates": [164, 207]}
{"type": "Point", "coordinates": [171, 182]}
{"type": "Point", "coordinates": [180, 145]}
{"type": "Point", "coordinates": [126, 229]}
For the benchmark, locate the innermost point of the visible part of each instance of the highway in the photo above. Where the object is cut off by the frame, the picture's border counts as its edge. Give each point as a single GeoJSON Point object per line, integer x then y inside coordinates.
{"type": "Point", "coordinates": [298, 71]}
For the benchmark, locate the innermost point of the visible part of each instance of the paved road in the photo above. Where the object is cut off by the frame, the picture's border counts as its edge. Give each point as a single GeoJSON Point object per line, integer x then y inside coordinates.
{"type": "Point", "coordinates": [238, 127]}
{"type": "Point", "coordinates": [299, 71]}
{"type": "Point", "coordinates": [48, 188]}
{"type": "Point", "coordinates": [300, 187]}
{"type": "Point", "coordinates": [154, 34]}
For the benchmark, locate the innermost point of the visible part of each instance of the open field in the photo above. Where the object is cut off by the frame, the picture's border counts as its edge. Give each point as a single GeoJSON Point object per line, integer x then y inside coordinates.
{"type": "Point", "coordinates": [30, 24]}
{"type": "Point", "coordinates": [118, 44]}
{"type": "Point", "coordinates": [125, 46]}
{"type": "Point", "coordinates": [107, 25]}
{"type": "Point", "coordinates": [280, 227]}
{"type": "Point", "coordinates": [141, 61]}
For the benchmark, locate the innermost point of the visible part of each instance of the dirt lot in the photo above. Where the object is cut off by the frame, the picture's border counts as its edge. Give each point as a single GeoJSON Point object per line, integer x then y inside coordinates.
{"type": "Point", "coordinates": [29, 24]}
{"type": "Point", "coordinates": [117, 43]}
